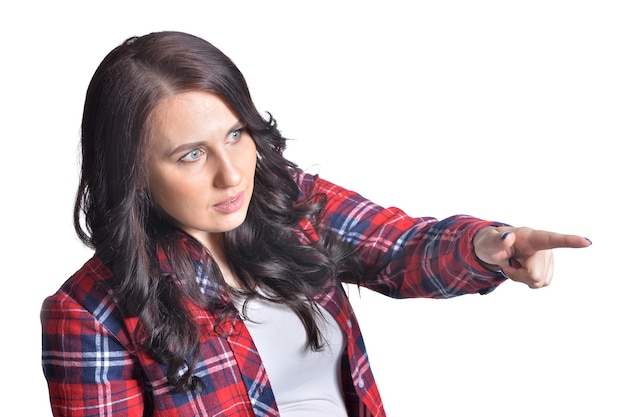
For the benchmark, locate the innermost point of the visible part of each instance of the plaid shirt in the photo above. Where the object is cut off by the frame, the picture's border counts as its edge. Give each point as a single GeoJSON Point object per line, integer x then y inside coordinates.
{"type": "Point", "coordinates": [94, 366]}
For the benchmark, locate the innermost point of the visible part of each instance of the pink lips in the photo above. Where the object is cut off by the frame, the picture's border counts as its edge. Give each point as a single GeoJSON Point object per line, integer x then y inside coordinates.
{"type": "Point", "coordinates": [231, 204]}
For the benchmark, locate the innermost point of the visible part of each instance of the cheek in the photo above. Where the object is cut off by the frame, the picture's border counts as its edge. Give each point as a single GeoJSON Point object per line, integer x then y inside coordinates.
{"type": "Point", "coordinates": [165, 190]}
{"type": "Point", "coordinates": [251, 159]}
{"type": "Point", "coordinates": [156, 185]}
{"type": "Point", "coordinates": [251, 166]}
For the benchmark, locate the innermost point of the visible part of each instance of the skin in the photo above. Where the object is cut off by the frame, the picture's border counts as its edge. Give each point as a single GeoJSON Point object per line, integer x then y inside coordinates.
{"type": "Point", "coordinates": [201, 166]}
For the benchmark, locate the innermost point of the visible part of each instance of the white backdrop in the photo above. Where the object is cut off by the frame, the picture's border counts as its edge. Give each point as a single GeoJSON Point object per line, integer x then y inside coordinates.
{"type": "Point", "coordinates": [511, 111]}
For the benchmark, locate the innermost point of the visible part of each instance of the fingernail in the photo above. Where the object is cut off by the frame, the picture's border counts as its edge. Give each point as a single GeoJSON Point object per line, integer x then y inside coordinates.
{"type": "Point", "coordinates": [504, 235]}
{"type": "Point", "coordinates": [588, 240]}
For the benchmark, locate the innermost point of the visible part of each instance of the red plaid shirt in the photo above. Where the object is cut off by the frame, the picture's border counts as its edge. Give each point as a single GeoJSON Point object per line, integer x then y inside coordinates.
{"type": "Point", "coordinates": [94, 367]}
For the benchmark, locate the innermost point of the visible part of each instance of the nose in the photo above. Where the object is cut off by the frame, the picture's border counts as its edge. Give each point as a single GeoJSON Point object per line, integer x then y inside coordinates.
{"type": "Point", "coordinates": [227, 173]}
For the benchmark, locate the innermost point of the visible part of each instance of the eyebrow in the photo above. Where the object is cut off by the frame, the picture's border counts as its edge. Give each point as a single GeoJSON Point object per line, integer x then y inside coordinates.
{"type": "Point", "coordinates": [192, 145]}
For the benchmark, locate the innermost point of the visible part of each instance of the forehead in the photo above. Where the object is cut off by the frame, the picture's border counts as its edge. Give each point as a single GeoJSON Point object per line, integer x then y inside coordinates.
{"type": "Point", "coordinates": [190, 104]}
{"type": "Point", "coordinates": [191, 113]}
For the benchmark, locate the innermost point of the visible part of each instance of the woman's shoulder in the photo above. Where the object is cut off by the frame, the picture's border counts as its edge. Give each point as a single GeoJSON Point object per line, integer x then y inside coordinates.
{"type": "Point", "coordinates": [311, 183]}
{"type": "Point", "coordinates": [88, 290]}
{"type": "Point", "coordinates": [89, 280]}
{"type": "Point", "coordinates": [84, 308]}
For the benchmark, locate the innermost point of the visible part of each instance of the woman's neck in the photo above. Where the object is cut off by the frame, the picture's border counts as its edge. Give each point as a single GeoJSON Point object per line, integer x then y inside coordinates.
{"type": "Point", "coordinates": [215, 246]}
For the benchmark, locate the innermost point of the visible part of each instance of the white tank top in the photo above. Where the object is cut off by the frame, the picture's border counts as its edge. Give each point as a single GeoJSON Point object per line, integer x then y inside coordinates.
{"type": "Point", "coordinates": [305, 383]}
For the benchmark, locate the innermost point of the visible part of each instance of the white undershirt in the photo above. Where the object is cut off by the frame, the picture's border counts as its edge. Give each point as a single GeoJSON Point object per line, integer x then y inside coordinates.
{"type": "Point", "coordinates": [305, 383]}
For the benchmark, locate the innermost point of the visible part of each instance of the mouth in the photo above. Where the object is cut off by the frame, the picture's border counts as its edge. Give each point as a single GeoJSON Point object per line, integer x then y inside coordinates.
{"type": "Point", "coordinates": [231, 204]}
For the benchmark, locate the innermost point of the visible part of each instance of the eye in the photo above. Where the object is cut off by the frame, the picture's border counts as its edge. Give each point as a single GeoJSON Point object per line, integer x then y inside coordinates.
{"type": "Point", "coordinates": [235, 135]}
{"type": "Point", "coordinates": [192, 156]}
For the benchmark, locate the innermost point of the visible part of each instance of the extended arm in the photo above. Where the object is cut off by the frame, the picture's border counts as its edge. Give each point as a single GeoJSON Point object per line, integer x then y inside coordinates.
{"type": "Point", "coordinates": [407, 256]}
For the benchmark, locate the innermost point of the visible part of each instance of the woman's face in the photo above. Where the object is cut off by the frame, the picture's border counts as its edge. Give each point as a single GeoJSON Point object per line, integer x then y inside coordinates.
{"type": "Point", "coordinates": [201, 163]}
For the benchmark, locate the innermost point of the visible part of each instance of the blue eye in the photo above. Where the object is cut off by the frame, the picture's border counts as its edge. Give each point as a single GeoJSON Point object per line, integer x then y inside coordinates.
{"type": "Point", "coordinates": [235, 135]}
{"type": "Point", "coordinates": [192, 156]}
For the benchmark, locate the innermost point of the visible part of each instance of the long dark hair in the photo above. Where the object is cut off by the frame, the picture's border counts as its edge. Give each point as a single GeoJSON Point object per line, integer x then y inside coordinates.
{"type": "Point", "coordinates": [115, 215]}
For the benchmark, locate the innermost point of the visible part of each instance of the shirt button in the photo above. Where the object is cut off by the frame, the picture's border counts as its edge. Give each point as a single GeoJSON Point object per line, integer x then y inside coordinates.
{"type": "Point", "coordinates": [349, 324]}
{"type": "Point", "coordinates": [361, 383]}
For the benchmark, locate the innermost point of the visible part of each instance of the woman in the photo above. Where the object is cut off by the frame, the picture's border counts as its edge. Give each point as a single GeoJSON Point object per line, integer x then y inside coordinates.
{"type": "Point", "coordinates": [216, 284]}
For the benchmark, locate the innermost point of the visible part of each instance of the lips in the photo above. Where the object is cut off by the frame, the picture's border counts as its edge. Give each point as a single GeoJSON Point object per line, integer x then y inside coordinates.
{"type": "Point", "coordinates": [231, 204]}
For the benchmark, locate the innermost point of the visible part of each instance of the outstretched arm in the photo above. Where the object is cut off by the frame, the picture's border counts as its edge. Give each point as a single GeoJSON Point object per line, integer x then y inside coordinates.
{"type": "Point", "coordinates": [522, 253]}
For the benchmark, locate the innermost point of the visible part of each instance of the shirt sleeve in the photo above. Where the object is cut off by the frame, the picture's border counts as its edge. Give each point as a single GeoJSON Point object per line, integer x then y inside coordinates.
{"type": "Point", "coordinates": [89, 372]}
{"type": "Point", "coordinates": [406, 256]}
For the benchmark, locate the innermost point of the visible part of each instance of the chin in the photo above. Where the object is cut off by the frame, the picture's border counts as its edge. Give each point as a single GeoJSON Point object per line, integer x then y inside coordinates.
{"type": "Point", "coordinates": [233, 224]}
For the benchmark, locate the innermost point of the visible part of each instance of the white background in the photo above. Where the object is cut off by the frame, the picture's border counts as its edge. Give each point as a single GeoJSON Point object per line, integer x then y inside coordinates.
{"type": "Point", "coordinates": [510, 111]}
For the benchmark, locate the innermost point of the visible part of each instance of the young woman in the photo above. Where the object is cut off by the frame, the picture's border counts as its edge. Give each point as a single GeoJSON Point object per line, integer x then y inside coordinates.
{"type": "Point", "coordinates": [216, 284]}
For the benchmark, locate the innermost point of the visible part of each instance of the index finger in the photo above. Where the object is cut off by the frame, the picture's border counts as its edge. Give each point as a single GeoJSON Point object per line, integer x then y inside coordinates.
{"type": "Point", "coordinates": [542, 240]}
